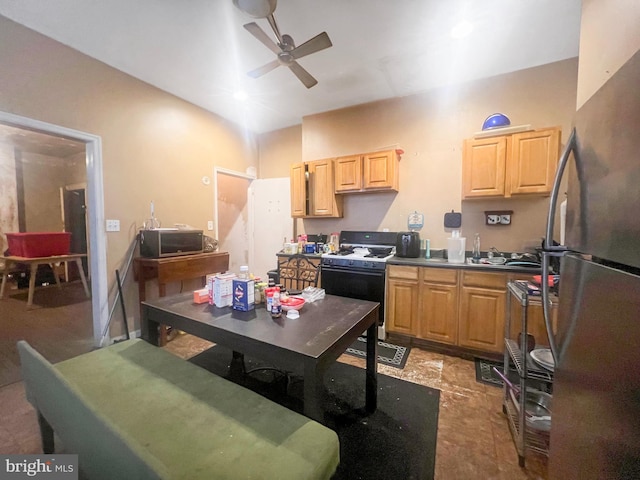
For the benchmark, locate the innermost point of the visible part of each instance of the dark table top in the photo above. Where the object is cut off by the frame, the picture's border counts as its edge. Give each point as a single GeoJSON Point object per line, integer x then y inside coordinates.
{"type": "Point", "coordinates": [322, 325]}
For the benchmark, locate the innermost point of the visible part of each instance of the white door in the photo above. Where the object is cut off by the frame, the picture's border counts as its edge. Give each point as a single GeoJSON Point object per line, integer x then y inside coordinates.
{"type": "Point", "coordinates": [272, 222]}
{"type": "Point", "coordinates": [232, 217]}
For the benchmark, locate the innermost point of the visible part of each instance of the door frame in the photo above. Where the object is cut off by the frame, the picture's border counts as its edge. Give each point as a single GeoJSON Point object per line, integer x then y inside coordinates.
{"type": "Point", "coordinates": [63, 205]}
{"type": "Point", "coordinates": [95, 193]}
{"type": "Point", "coordinates": [233, 173]}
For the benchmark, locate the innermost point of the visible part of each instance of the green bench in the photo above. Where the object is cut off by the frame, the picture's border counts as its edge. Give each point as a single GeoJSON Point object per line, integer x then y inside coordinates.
{"type": "Point", "coordinates": [134, 411]}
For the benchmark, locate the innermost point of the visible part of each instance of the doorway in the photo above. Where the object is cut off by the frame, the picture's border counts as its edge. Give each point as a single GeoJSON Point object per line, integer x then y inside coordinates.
{"type": "Point", "coordinates": [74, 211]}
{"type": "Point", "coordinates": [233, 209]}
{"type": "Point", "coordinates": [96, 248]}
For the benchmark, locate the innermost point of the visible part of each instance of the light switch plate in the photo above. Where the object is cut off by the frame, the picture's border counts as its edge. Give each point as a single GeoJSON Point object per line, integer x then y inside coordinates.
{"type": "Point", "coordinates": [113, 225]}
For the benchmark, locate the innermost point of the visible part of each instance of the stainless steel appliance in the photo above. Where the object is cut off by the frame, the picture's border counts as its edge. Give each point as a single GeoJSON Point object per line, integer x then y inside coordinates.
{"type": "Point", "coordinates": [408, 244]}
{"type": "Point", "coordinates": [357, 269]}
{"type": "Point", "coordinates": [170, 242]}
{"type": "Point", "coordinates": [595, 427]}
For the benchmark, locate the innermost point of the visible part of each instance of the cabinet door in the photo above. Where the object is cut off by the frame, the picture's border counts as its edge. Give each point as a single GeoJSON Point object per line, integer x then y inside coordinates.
{"type": "Point", "coordinates": [297, 173]}
{"type": "Point", "coordinates": [483, 167]}
{"type": "Point", "coordinates": [323, 202]}
{"type": "Point", "coordinates": [438, 307]}
{"type": "Point", "coordinates": [482, 315]}
{"type": "Point", "coordinates": [401, 306]}
{"type": "Point", "coordinates": [380, 170]}
{"type": "Point", "coordinates": [349, 174]}
{"type": "Point", "coordinates": [439, 313]}
{"type": "Point", "coordinates": [534, 157]}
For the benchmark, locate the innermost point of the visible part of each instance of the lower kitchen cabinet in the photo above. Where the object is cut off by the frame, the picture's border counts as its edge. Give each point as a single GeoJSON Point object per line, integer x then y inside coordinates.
{"type": "Point", "coordinates": [482, 311]}
{"type": "Point", "coordinates": [402, 299]}
{"type": "Point", "coordinates": [456, 307]}
{"type": "Point", "coordinates": [438, 312]}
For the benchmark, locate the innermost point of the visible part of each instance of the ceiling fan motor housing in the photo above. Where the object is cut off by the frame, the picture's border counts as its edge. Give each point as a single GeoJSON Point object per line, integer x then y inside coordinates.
{"type": "Point", "coordinates": [256, 8]}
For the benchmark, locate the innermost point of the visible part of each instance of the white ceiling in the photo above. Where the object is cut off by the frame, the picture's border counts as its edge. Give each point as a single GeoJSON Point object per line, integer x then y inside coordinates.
{"type": "Point", "coordinates": [199, 51]}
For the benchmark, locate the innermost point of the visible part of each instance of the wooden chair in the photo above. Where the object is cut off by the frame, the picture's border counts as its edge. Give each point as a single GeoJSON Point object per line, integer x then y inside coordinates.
{"type": "Point", "coordinates": [298, 272]}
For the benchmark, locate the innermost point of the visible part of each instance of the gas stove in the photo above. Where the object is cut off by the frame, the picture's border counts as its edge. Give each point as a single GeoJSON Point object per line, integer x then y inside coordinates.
{"type": "Point", "coordinates": [357, 269]}
{"type": "Point", "coordinates": [362, 250]}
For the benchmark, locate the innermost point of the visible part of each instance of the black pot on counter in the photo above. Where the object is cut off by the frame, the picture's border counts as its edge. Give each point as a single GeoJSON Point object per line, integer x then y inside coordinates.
{"type": "Point", "coordinates": [408, 244]}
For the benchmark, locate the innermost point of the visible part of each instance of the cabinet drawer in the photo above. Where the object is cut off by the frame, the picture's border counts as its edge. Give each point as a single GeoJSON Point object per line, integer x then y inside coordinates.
{"type": "Point", "coordinates": [496, 281]}
{"type": "Point", "coordinates": [439, 275]}
{"type": "Point", "coordinates": [397, 271]}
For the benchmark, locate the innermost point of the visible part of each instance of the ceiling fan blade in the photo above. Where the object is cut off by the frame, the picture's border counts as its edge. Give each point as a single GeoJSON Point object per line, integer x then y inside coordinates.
{"type": "Point", "coordinates": [258, 72]}
{"type": "Point", "coordinates": [304, 76]}
{"type": "Point", "coordinates": [317, 43]}
{"type": "Point", "coordinates": [257, 32]}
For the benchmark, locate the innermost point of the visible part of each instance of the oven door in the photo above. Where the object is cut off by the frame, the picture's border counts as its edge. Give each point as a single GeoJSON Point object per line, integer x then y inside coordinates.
{"type": "Point", "coordinates": [355, 283]}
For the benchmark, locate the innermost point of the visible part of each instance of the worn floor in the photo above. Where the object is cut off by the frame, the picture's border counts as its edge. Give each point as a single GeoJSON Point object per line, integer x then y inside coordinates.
{"type": "Point", "coordinates": [473, 436]}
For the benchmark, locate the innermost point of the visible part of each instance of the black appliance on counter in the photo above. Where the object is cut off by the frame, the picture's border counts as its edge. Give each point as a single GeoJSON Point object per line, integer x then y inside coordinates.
{"type": "Point", "coordinates": [408, 244]}
{"type": "Point", "coordinates": [170, 242]}
{"type": "Point", "coordinates": [595, 431]}
{"type": "Point", "coordinates": [357, 269]}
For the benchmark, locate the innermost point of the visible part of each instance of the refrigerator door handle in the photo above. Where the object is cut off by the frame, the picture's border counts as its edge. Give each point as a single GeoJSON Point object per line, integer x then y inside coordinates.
{"type": "Point", "coordinates": [549, 250]}
{"type": "Point", "coordinates": [546, 305]}
{"type": "Point", "coordinates": [553, 203]}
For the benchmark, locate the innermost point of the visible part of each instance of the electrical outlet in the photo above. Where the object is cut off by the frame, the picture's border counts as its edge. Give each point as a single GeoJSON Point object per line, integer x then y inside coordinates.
{"type": "Point", "coordinates": [505, 219]}
{"type": "Point", "coordinates": [210, 225]}
{"type": "Point", "coordinates": [493, 219]}
{"type": "Point", "coordinates": [113, 225]}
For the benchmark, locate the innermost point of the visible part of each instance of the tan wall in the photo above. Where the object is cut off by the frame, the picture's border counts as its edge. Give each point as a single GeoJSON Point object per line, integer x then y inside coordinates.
{"type": "Point", "coordinates": [278, 150]}
{"type": "Point", "coordinates": [609, 36]}
{"type": "Point", "coordinates": [156, 147]}
{"type": "Point", "coordinates": [43, 176]}
{"type": "Point", "coordinates": [430, 127]}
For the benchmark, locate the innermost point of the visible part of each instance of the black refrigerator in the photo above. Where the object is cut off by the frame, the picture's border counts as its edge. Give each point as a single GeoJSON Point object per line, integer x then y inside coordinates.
{"type": "Point", "coordinates": [595, 422]}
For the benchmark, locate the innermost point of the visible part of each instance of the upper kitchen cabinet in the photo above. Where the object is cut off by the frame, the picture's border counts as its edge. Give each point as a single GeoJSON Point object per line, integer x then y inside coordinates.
{"type": "Point", "coordinates": [312, 192]}
{"type": "Point", "coordinates": [510, 165]}
{"type": "Point", "coordinates": [370, 172]}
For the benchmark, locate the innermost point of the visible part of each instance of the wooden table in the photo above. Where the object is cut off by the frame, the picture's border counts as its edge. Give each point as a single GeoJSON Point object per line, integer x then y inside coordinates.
{"type": "Point", "coordinates": [325, 329]}
{"type": "Point", "coordinates": [175, 269]}
{"type": "Point", "coordinates": [35, 262]}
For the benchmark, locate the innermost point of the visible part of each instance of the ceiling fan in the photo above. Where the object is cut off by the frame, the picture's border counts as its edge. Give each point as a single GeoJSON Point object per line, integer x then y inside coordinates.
{"type": "Point", "coordinates": [285, 49]}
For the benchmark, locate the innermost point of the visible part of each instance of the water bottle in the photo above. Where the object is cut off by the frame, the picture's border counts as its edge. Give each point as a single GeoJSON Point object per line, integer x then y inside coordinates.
{"type": "Point", "coordinates": [475, 254]}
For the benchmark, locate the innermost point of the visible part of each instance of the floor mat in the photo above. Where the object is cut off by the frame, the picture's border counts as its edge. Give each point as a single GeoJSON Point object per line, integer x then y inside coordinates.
{"type": "Point", "coordinates": [388, 353]}
{"type": "Point", "coordinates": [397, 441]}
{"type": "Point", "coordinates": [486, 375]}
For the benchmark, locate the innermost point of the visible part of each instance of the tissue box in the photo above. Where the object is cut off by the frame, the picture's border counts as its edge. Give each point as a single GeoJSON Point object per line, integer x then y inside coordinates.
{"type": "Point", "coordinates": [201, 296]}
{"type": "Point", "coordinates": [243, 295]}
{"type": "Point", "coordinates": [222, 289]}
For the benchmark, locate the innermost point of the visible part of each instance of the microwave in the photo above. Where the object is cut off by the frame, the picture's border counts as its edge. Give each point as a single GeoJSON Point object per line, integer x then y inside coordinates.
{"type": "Point", "coordinates": [170, 242]}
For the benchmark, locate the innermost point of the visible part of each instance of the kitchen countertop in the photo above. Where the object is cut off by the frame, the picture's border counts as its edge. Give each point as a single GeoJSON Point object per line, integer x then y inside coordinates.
{"type": "Point", "coordinates": [443, 263]}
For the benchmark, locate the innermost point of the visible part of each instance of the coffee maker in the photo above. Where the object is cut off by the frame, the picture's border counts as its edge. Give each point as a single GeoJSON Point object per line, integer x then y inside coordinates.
{"type": "Point", "coordinates": [408, 244]}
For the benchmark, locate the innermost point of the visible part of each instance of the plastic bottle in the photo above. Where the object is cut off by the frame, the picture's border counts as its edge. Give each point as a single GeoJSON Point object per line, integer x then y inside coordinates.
{"type": "Point", "coordinates": [427, 248]}
{"type": "Point", "coordinates": [276, 306]}
{"type": "Point", "coordinates": [244, 273]}
{"type": "Point", "coordinates": [476, 248]}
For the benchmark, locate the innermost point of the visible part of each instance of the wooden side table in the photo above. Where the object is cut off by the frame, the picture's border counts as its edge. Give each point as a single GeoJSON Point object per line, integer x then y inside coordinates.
{"type": "Point", "coordinates": [33, 263]}
{"type": "Point", "coordinates": [175, 269]}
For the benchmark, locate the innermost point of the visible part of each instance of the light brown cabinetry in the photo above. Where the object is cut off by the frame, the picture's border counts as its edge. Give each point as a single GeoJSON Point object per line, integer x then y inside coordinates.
{"type": "Point", "coordinates": [453, 306]}
{"type": "Point", "coordinates": [402, 299]}
{"type": "Point", "coordinates": [312, 192]}
{"type": "Point", "coordinates": [438, 311]}
{"type": "Point", "coordinates": [482, 311]}
{"type": "Point", "coordinates": [510, 165]}
{"type": "Point", "coordinates": [377, 171]}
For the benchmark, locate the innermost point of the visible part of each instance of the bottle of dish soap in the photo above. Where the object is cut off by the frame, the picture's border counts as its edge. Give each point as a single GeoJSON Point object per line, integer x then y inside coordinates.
{"type": "Point", "coordinates": [475, 254]}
